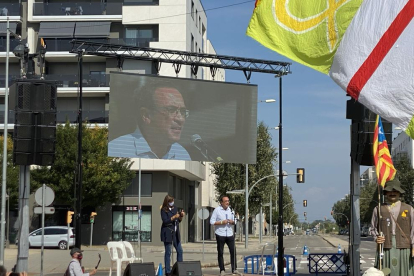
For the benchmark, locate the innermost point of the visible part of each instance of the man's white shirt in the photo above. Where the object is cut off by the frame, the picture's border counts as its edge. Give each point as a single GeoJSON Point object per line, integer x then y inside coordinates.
{"type": "Point", "coordinates": [219, 214]}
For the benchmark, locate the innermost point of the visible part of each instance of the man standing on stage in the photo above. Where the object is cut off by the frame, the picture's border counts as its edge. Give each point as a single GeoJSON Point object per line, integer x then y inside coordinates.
{"type": "Point", "coordinates": [223, 219]}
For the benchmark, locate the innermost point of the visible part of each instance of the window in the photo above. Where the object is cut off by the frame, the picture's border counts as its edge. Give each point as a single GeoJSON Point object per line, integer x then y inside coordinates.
{"type": "Point", "coordinates": [125, 223]}
{"type": "Point", "coordinates": [141, 35]}
{"type": "Point", "coordinates": [192, 43]}
{"type": "Point", "coordinates": [192, 9]}
{"type": "Point", "coordinates": [61, 231]}
{"type": "Point", "coordinates": [146, 186]}
{"type": "Point", "coordinates": [175, 187]}
{"type": "Point", "coordinates": [171, 191]}
{"type": "Point", "coordinates": [179, 188]}
{"type": "Point", "coordinates": [141, 2]}
{"type": "Point", "coordinates": [196, 46]}
{"type": "Point", "coordinates": [50, 231]}
{"type": "Point", "coordinates": [199, 24]}
{"type": "Point", "coordinates": [196, 18]}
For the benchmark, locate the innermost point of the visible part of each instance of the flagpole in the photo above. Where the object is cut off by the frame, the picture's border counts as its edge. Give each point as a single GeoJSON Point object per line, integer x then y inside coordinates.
{"type": "Point", "coordinates": [380, 260]}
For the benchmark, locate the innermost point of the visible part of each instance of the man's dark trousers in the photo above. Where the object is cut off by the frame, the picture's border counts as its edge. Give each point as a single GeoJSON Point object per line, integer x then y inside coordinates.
{"type": "Point", "coordinates": [221, 240]}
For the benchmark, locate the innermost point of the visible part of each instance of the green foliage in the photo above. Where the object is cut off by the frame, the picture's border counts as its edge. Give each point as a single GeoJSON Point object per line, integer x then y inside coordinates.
{"type": "Point", "coordinates": [342, 211]}
{"type": "Point", "coordinates": [233, 177]}
{"type": "Point", "coordinates": [368, 201]}
{"type": "Point", "coordinates": [405, 174]}
{"type": "Point", "coordinates": [104, 178]}
{"type": "Point", "coordinates": [12, 174]}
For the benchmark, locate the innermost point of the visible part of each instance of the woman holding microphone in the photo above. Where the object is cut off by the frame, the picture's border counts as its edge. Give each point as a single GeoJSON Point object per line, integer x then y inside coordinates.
{"type": "Point", "coordinates": [170, 231]}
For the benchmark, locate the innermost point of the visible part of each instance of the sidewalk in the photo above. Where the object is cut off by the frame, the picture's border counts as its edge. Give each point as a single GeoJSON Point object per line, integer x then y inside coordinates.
{"type": "Point", "coordinates": [335, 241]}
{"type": "Point", "coordinates": [56, 261]}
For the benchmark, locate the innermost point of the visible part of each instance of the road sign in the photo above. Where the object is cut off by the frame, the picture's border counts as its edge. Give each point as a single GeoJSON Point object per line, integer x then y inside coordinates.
{"type": "Point", "coordinates": [48, 210]}
{"type": "Point", "coordinates": [49, 196]}
{"type": "Point", "coordinates": [284, 173]}
{"type": "Point", "coordinates": [203, 213]}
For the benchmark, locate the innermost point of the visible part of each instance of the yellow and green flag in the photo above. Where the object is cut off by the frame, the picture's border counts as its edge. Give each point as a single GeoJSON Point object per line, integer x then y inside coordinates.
{"type": "Point", "coordinates": [307, 32]}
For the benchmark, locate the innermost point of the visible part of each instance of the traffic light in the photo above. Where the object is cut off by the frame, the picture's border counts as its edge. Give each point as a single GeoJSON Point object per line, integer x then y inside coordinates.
{"type": "Point", "coordinates": [92, 217]}
{"type": "Point", "coordinates": [69, 217]}
{"type": "Point", "coordinates": [305, 203]}
{"type": "Point", "coordinates": [300, 175]}
{"type": "Point", "coordinates": [304, 214]}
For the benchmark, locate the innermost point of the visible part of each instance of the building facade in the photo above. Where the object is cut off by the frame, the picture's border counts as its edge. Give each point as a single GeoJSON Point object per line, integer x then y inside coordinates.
{"type": "Point", "coordinates": [403, 146]}
{"type": "Point", "coordinates": [175, 25]}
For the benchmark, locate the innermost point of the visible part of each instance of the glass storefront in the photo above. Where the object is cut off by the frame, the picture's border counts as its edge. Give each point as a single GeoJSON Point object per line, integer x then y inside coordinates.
{"type": "Point", "coordinates": [125, 223]}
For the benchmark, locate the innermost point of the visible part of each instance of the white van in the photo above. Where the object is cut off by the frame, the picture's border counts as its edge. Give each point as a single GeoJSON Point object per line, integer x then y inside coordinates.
{"type": "Point", "coordinates": [55, 236]}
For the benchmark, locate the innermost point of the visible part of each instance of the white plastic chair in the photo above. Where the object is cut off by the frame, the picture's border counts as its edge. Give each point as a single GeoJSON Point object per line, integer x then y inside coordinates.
{"type": "Point", "coordinates": [118, 255]}
{"type": "Point", "coordinates": [130, 253]}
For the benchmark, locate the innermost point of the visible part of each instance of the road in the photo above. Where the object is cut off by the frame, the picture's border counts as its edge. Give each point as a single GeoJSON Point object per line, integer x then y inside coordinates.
{"type": "Point", "coordinates": [293, 246]}
{"type": "Point", "coordinates": [367, 251]}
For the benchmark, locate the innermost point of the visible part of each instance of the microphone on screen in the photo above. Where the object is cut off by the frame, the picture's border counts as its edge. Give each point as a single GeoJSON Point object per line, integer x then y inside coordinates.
{"type": "Point", "coordinates": [208, 153]}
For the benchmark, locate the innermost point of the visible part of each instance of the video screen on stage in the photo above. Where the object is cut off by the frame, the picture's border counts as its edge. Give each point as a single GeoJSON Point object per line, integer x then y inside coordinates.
{"type": "Point", "coordinates": [182, 119]}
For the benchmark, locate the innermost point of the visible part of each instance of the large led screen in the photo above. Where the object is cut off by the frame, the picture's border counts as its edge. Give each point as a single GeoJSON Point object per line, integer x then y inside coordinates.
{"type": "Point", "coordinates": [182, 119]}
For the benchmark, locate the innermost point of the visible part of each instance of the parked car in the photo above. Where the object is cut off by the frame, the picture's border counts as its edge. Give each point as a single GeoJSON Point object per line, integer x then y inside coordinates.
{"type": "Point", "coordinates": [54, 236]}
{"type": "Point", "coordinates": [365, 231]}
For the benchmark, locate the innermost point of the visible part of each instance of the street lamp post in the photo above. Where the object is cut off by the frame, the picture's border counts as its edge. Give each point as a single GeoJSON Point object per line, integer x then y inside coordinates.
{"type": "Point", "coordinates": [247, 192]}
{"type": "Point", "coordinates": [280, 266]}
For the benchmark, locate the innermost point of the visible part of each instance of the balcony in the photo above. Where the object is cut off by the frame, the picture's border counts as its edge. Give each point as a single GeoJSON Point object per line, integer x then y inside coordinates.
{"type": "Point", "coordinates": [141, 2]}
{"type": "Point", "coordinates": [92, 80]}
{"type": "Point", "coordinates": [10, 9]}
{"type": "Point", "coordinates": [3, 43]}
{"type": "Point", "coordinates": [91, 116]}
{"type": "Point", "coordinates": [79, 9]}
{"type": "Point", "coordinates": [12, 79]}
{"type": "Point", "coordinates": [64, 45]}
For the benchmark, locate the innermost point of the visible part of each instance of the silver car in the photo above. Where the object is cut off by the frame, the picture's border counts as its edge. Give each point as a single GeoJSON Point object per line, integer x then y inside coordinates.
{"type": "Point", "coordinates": [55, 236]}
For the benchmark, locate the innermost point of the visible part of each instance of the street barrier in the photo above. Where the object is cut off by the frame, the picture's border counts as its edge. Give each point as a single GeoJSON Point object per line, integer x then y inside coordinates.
{"type": "Point", "coordinates": [254, 264]}
{"type": "Point", "coordinates": [327, 263]}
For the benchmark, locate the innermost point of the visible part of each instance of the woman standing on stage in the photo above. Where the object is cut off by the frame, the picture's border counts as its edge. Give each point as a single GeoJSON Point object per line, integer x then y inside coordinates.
{"type": "Point", "coordinates": [170, 231]}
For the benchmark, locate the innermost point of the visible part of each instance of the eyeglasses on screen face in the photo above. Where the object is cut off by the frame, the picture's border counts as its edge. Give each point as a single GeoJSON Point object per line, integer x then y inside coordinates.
{"type": "Point", "coordinates": [173, 111]}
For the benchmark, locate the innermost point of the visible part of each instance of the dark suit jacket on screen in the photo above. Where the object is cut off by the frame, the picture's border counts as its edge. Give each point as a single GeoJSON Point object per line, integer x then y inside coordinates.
{"type": "Point", "coordinates": [168, 226]}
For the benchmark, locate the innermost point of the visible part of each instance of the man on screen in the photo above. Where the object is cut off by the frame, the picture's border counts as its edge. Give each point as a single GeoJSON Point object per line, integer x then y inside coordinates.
{"type": "Point", "coordinates": [161, 118]}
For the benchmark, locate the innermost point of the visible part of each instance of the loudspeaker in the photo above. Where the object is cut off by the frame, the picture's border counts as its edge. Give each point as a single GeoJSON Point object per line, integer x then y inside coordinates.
{"type": "Point", "coordinates": [362, 132]}
{"type": "Point", "coordinates": [190, 268]}
{"type": "Point", "coordinates": [140, 269]}
{"type": "Point", "coordinates": [33, 95]}
{"type": "Point", "coordinates": [34, 138]}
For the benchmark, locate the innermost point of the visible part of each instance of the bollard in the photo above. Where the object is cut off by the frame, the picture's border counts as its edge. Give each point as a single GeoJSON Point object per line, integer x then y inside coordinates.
{"type": "Point", "coordinates": [339, 249]}
{"type": "Point", "coordinates": [305, 250]}
{"type": "Point", "coordinates": [159, 270]}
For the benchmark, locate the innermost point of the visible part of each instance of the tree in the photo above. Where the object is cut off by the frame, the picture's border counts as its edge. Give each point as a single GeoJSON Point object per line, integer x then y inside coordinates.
{"type": "Point", "coordinates": [405, 174]}
{"type": "Point", "coordinates": [368, 201]}
{"type": "Point", "coordinates": [232, 176]}
{"type": "Point", "coordinates": [104, 178]}
{"type": "Point", "coordinates": [12, 174]}
{"type": "Point", "coordinates": [342, 211]}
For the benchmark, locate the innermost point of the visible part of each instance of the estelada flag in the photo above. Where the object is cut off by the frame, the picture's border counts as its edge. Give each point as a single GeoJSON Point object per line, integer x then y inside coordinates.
{"type": "Point", "coordinates": [382, 158]}
{"type": "Point", "coordinates": [366, 46]}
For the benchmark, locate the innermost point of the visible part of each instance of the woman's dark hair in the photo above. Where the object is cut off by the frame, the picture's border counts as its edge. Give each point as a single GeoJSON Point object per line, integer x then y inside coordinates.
{"type": "Point", "coordinates": [167, 200]}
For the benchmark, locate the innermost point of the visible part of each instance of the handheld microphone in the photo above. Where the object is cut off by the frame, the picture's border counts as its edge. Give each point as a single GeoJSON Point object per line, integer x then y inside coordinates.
{"type": "Point", "coordinates": [204, 149]}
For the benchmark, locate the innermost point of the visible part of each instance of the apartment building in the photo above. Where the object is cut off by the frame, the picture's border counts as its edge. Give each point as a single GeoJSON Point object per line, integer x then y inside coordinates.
{"type": "Point", "coordinates": [177, 25]}
{"type": "Point", "coordinates": [368, 176]}
{"type": "Point", "coordinates": [402, 145]}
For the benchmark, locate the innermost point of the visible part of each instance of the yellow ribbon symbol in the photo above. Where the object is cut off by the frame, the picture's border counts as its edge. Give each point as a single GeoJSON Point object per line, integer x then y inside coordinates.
{"type": "Point", "coordinates": [298, 25]}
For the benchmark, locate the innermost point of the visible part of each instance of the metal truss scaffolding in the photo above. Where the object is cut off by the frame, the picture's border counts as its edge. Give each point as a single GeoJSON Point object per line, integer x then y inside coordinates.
{"type": "Point", "coordinates": [195, 60]}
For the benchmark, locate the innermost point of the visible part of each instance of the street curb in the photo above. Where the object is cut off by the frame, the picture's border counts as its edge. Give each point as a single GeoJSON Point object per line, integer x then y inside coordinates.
{"type": "Point", "coordinates": [203, 265]}
{"type": "Point", "coordinates": [327, 241]}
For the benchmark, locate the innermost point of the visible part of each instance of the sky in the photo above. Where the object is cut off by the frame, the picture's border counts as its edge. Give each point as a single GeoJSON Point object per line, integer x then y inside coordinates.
{"type": "Point", "coordinates": [315, 128]}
